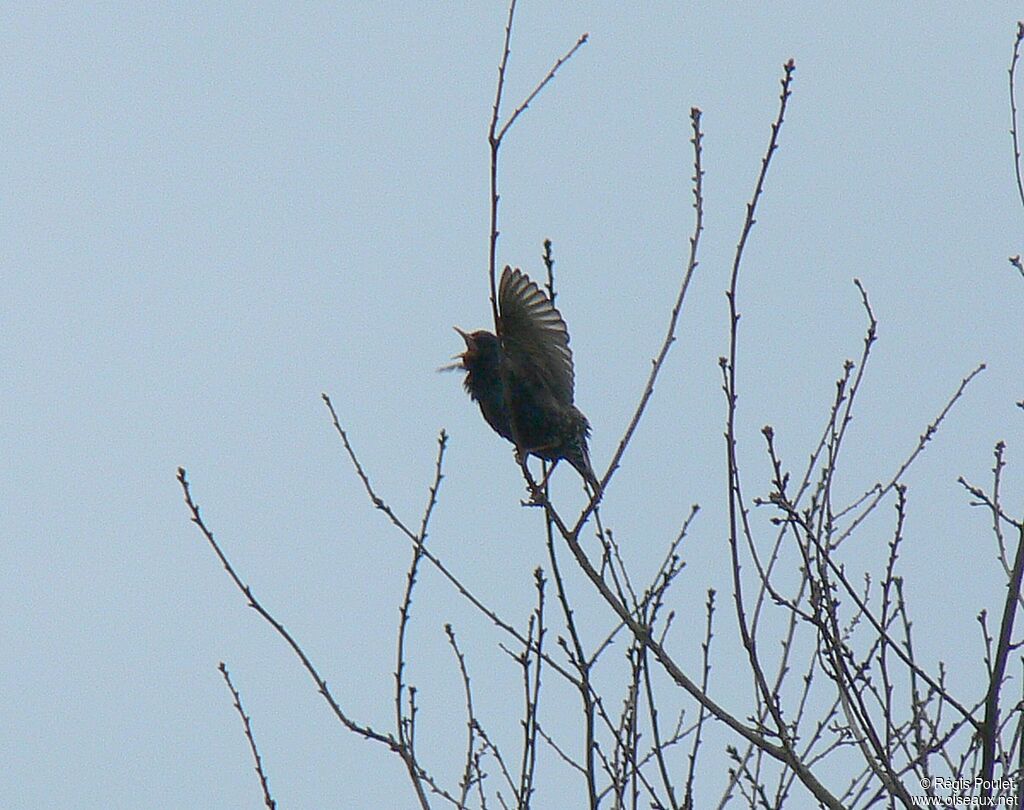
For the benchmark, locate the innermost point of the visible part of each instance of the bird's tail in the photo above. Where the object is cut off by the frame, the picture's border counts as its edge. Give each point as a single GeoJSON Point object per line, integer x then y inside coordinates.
{"type": "Point", "coordinates": [581, 462]}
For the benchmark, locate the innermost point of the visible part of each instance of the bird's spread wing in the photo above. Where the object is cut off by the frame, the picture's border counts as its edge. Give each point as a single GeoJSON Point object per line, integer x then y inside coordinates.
{"type": "Point", "coordinates": [534, 335]}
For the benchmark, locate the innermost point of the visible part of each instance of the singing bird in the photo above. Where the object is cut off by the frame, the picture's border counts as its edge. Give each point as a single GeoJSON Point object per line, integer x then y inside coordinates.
{"type": "Point", "coordinates": [531, 356]}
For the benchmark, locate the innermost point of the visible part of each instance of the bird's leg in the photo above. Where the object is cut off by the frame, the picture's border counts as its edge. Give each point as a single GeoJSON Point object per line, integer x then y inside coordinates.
{"type": "Point", "coordinates": [528, 477]}
{"type": "Point", "coordinates": [551, 469]}
{"type": "Point", "coordinates": [521, 456]}
{"type": "Point", "coordinates": [536, 492]}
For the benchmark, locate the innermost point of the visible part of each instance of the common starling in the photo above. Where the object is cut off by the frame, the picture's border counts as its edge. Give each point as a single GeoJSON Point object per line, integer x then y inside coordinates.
{"type": "Point", "coordinates": [530, 355]}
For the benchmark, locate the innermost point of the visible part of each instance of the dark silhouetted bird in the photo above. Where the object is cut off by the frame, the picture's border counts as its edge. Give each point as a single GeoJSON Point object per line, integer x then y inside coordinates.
{"type": "Point", "coordinates": [531, 356]}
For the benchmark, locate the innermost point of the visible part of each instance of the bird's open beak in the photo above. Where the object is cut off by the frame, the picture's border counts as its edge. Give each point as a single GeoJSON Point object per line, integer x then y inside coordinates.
{"type": "Point", "coordinates": [470, 343]}
{"type": "Point", "coordinates": [461, 358]}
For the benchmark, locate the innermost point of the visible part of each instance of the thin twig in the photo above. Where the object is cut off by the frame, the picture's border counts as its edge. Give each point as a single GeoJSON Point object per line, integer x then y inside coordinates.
{"type": "Point", "coordinates": [495, 135]}
{"type": "Point", "coordinates": [541, 85]}
{"type": "Point", "coordinates": [496, 755]}
{"type": "Point", "coordinates": [1013, 112]}
{"type": "Point", "coordinates": [829, 566]}
{"type": "Point", "coordinates": [268, 800]}
{"type": "Point", "coordinates": [783, 667]}
{"type": "Point", "coordinates": [641, 632]}
{"type": "Point", "coordinates": [357, 728]}
{"type": "Point", "coordinates": [922, 441]}
{"type": "Point", "coordinates": [495, 145]}
{"type": "Point", "coordinates": [561, 754]}
{"type": "Point", "coordinates": [471, 723]}
{"type": "Point", "coordinates": [578, 658]}
{"type": "Point", "coordinates": [531, 688]}
{"type": "Point", "coordinates": [737, 509]}
{"type": "Point", "coordinates": [989, 728]}
{"type": "Point", "coordinates": [402, 723]}
{"type": "Point", "coordinates": [670, 332]}
{"type": "Point", "coordinates": [428, 555]}
{"type": "Point", "coordinates": [702, 716]}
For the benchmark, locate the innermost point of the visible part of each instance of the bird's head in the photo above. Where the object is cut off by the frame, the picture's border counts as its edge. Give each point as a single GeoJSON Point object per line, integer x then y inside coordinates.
{"type": "Point", "coordinates": [481, 351]}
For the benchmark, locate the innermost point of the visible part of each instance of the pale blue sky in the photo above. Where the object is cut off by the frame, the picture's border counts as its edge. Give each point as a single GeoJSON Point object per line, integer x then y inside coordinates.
{"type": "Point", "coordinates": [210, 214]}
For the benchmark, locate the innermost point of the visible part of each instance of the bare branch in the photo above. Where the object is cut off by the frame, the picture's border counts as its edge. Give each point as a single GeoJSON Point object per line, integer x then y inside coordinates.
{"type": "Point", "coordinates": [466, 783]}
{"type": "Point", "coordinates": [429, 555]}
{"type": "Point", "coordinates": [268, 800]}
{"type": "Point", "coordinates": [1013, 116]}
{"type": "Point", "coordinates": [357, 728]}
{"type": "Point", "coordinates": [691, 266]}
{"type": "Point", "coordinates": [496, 135]}
{"type": "Point", "coordinates": [737, 509]}
{"type": "Point", "coordinates": [542, 84]}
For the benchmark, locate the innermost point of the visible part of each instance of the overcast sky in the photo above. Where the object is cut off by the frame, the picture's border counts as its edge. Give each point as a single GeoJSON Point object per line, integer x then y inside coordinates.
{"type": "Point", "coordinates": [210, 214]}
